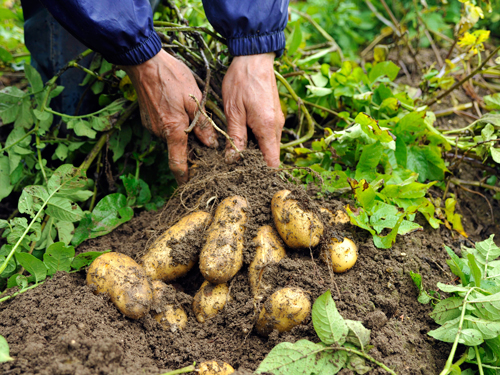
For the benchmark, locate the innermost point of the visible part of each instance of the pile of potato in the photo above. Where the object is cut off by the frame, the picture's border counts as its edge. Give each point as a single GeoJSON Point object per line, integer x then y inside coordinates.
{"type": "Point", "coordinates": [134, 288]}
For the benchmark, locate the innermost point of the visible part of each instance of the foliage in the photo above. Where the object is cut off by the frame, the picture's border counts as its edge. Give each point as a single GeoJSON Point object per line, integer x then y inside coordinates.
{"type": "Point", "coordinates": [344, 344]}
{"type": "Point", "coordinates": [471, 315]}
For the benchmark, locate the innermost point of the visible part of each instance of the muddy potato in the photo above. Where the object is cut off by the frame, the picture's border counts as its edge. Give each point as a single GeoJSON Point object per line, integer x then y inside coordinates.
{"type": "Point", "coordinates": [124, 280]}
{"type": "Point", "coordinates": [214, 368]}
{"type": "Point", "coordinates": [339, 217]}
{"type": "Point", "coordinates": [209, 300]}
{"type": "Point", "coordinates": [342, 255]}
{"type": "Point", "coordinates": [298, 228]}
{"type": "Point", "coordinates": [168, 315]}
{"type": "Point", "coordinates": [222, 256]}
{"type": "Point", "coordinates": [158, 261]}
{"type": "Point", "coordinates": [268, 250]}
{"type": "Point", "coordinates": [285, 309]}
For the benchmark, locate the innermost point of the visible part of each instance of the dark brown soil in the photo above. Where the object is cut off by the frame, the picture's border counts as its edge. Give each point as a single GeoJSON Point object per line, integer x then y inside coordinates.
{"type": "Point", "coordinates": [61, 327]}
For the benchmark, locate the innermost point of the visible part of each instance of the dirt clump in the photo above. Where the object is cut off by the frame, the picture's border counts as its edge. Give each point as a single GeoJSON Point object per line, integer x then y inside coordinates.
{"type": "Point", "coordinates": [61, 327]}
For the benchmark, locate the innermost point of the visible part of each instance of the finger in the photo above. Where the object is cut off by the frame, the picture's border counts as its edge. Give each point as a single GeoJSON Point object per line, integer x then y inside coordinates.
{"type": "Point", "coordinates": [177, 146]}
{"type": "Point", "coordinates": [203, 129]}
{"type": "Point", "coordinates": [236, 129]}
{"type": "Point", "coordinates": [264, 127]}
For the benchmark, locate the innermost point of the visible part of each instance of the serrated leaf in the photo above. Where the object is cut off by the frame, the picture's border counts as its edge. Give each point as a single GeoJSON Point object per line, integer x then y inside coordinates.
{"type": "Point", "coordinates": [358, 334]}
{"type": "Point", "coordinates": [63, 209]}
{"type": "Point", "coordinates": [447, 309]}
{"type": "Point", "coordinates": [33, 265]}
{"type": "Point", "coordinates": [302, 358]}
{"type": "Point", "coordinates": [58, 257]}
{"type": "Point", "coordinates": [4, 350]}
{"type": "Point", "coordinates": [328, 323]}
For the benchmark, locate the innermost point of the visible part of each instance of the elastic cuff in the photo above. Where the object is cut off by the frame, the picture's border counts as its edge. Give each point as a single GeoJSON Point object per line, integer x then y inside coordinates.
{"type": "Point", "coordinates": [137, 55]}
{"type": "Point", "coordinates": [257, 44]}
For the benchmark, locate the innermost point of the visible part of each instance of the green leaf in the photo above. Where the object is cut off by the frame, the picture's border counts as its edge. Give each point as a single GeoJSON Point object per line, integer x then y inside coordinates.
{"type": "Point", "coordinates": [65, 231]}
{"type": "Point", "coordinates": [358, 334]}
{"type": "Point", "coordinates": [456, 265]}
{"type": "Point", "coordinates": [367, 165]}
{"type": "Point", "coordinates": [35, 80]}
{"type": "Point", "coordinates": [385, 242]}
{"type": "Point", "coordinates": [58, 257]}
{"type": "Point", "coordinates": [63, 209]}
{"type": "Point", "coordinates": [295, 40]}
{"type": "Point", "coordinates": [32, 199]}
{"type": "Point", "coordinates": [447, 309]}
{"type": "Point", "coordinates": [488, 249]}
{"type": "Point", "coordinates": [61, 151]}
{"type": "Point", "coordinates": [85, 259]}
{"type": "Point", "coordinates": [99, 123]}
{"type": "Point", "coordinates": [33, 265]}
{"type": "Point", "coordinates": [476, 272]}
{"type": "Point", "coordinates": [109, 213]}
{"type": "Point", "coordinates": [82, 129]}
{"type": "Point", "coordinates": [317, 92]}
{"type": "Point", "coordinates": [4, 350]}
{"type": "Point", "coordinates": [495, 154]}
{"type": "Point", "coordinates": [488, 329]}
{"type": "Point", "coordinates": [119, 140]}
{"type": "Point", "coordinates": [488, 307]}
{"type": "Point", "coordinates": [492, 101]}
{"type": "Point", "coordinates": [328, 323]}
{"type": "Point", "coordinates": [385, 68]}
{"type": "Point", "coordinates": [20, 281]}
{"type": "Point", "coordinates": [423, 297]}
{"type": "Point", "coordinates": [5, 185]}
{"type": "Point", "coordinates": [302, 357]}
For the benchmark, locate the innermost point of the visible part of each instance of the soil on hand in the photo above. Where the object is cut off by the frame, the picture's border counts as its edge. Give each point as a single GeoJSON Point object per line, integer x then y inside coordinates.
{"type": "Point", "coordinates": [61, 327]}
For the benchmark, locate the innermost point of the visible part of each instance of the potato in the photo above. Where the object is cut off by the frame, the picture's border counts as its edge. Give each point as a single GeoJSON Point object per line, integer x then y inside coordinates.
{"type": "Point", "coordinates": [339, 217]}
{"type": "Point", "coordinates": [168, 315]}
{"type": "Point", "coordinates": [158, 261]}
{"type": "Point", "coordinates": [222, 256]}
{"type": "Point", "coordinates": [209, 300]}
{"type": "Point", "coordinates": [298, 228]}
{"type": "Point", "coordinates": [269, 249]}
{"type": "Point", "coordinates": [124, 280]}
{"type": "Point", "coordinates": [285, 309]}
{"type": "Point", "coordinates": [342, 255]}
{"type": "Point", "coordinates": [214, 368]}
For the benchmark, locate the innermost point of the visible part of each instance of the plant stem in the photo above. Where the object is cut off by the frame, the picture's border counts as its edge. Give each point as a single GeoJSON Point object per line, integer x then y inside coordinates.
{"type": "Point", "coordinates": [449, 362]}
{"type": "Point", "coordinates": [21, 291]}
{"type": "Point", "coordinates": [366, 356]}
{"type": "Point", "coordinates": [457, 181]}
{"type": "Point", "coordinates": [310, 122]}
{"type": "Point", "coordinates": [463, 80]}
{"type": "Point", "coordinates": [80, 116]}
{"type": "Point", "coordinates": [183, 370]}
{"type": "Point", "coordinates": [479, 365]}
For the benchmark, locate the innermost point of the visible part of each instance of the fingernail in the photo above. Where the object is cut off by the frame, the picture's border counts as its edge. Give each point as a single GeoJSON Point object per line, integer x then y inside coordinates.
{"type": "Point", "coordinates": [213, 141]}
{"type": "Point", "coordinates": [231, 156]}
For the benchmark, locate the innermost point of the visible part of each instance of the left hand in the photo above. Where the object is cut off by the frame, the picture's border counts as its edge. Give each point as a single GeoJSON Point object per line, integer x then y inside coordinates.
{"type": "Point", "coordinates": [250, 96]}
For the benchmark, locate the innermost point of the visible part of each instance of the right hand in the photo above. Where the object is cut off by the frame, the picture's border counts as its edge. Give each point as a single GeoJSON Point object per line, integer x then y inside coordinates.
{"type": "Point", "coordinates": [163, 85]}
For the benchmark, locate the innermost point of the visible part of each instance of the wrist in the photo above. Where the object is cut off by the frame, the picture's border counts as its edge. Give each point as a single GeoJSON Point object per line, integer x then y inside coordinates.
{"type": "Point", "coordinates": [265, 58]}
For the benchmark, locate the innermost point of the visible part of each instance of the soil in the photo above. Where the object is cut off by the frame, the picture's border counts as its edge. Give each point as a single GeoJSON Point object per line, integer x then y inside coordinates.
{"type": "Point", "coordinates": [61, 327]}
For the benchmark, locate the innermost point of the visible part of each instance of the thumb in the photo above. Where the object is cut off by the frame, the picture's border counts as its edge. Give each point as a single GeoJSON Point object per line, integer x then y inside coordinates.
{"type": "Point", "coordinates": [237, 129]}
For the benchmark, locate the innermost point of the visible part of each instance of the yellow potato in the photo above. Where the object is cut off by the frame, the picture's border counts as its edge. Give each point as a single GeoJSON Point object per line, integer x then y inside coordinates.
{"type": "Point", "coordinates": [124, 280]}
{"type": "Point", "coordinates": [269, 250]}
{"type": "Point", "coordinates": [214, 368]}
{"type": "Point", "coordinates": [158, 261]}
{"type": "Point", "coordinates": [209, 300]}
{"type": "Point", "coordinates": [170, 317]}
{"type": "Point", "coordinates": [339, 217]}
{"type": "Point", "coordinates": [298, 228]}
{"type": "Point", "coordinates": [222, 256]}
{"type": "Point", "coordinates": [285, 309]}
{"type": "Point", "coordinates": [342, 255]}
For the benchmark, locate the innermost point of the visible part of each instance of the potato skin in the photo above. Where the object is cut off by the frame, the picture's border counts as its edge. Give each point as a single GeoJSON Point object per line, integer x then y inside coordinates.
{"type": "Point", "coordinates": [170, 317]}
{"type": "Point", "coordinates": [268, 250]}
{"type": "Point", "coordinates": [285, 309]}
{"type": "Point", "coordinates": [209, 300]}
{"type": "Point", "coordinates": [342, 255]}
{"type": "Point", "coordinates": [214, 368]}
{"type": "Point", "coordinates": [298, 228]}
{"type": "Point", "coordinates": [124, 280]}
{"type": "Point", "coordinates": [158, 261]}
{"type": "Point", "coordinates": [222, 256]}
{"type": "Point", "coordinates": [337, 218]}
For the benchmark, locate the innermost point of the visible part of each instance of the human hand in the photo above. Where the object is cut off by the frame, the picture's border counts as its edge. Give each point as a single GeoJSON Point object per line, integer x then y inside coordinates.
{"type": "Point", "coordinates": [250, 96]}
{"type": "Point", "coordinates": [163, 85]}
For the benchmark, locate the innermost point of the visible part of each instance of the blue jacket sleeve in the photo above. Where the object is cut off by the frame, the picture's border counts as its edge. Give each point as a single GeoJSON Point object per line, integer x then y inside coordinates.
{"type": "Point", "coordinates": [250, 27]}
{"type": "Point", "coordinates": [122, 31]}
